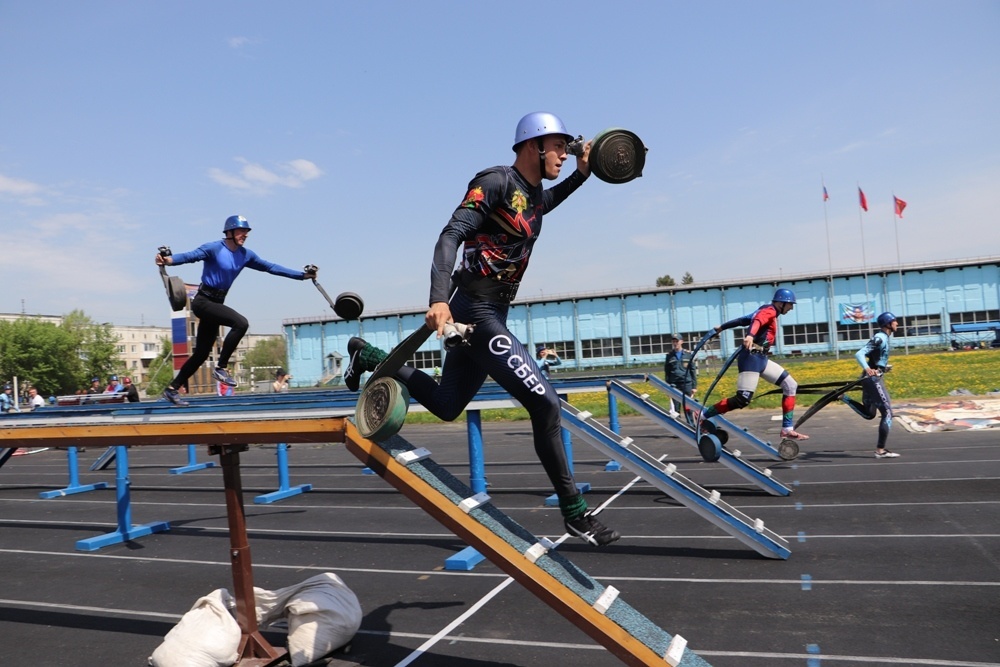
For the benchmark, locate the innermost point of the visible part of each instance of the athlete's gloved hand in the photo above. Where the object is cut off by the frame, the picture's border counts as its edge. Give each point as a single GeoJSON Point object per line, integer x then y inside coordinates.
{"type": "Point", "coordinates": [310, 271]}
{"type": "Point", "coordinates": [583, 161]}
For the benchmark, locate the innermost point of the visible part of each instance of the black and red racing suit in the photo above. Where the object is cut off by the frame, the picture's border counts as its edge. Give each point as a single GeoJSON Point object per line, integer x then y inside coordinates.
{"type": "Point", "coordinates": [496, 226]}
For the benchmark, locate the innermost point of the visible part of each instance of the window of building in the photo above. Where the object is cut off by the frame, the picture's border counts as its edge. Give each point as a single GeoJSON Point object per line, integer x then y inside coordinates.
{"type": "Point", "coordinates": [692, 338]}
{"type": "Point", "coordinates": [919, 325]}
{"type": "Point", "coordinates": [975, 317]}
{"type": "Point", "coordinates": [597, 348]}
{"type": "Point", "coordinates": [426, 360]}
{"type": "Point", "coordinates": [566, 349]}
{"type": "Point", "coordinates": [805, 334]}
{"type": "Point", "coordinates": [651, 344]}
{"type": "Point", "coordinates": [861, 331]}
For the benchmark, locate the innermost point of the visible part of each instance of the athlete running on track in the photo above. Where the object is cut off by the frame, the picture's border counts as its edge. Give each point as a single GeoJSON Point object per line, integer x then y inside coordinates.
{"type": "Point", "coordinates": [874, 359]}
{"type": "Point", "coordinates": [223, 261]}
{"type": "Point", "coordinates": [753, 364]}
{"type": "Point", "coordinates": [495, 227]}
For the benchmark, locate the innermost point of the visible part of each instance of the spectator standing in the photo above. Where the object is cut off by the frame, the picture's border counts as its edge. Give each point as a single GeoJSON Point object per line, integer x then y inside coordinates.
{"type": "Point", "coordinates": [546, 359]}
{"type": "Point", "coordinates": [35, 399]}
{"type": "Point", "coordinates": [280, 384]}
{"type": "Point", "coordinates": [114, 385]}
{"type": "Point", "coordinates": [131, 392]}
{"type": "Point", "coordinates": [675, 370]}
{"type": "Point", "coordinates": [7, 398]}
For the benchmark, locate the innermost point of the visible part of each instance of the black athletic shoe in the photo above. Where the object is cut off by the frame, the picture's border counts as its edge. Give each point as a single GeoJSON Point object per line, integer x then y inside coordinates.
{"type": "Point", "coordinates": [590, 530]}
{"type": "Point", "coordinates": [223, 376]}
{"type": "Point", "coordinates": [174, 397]}
{"type": "Point", "coordinates": [352, 374]}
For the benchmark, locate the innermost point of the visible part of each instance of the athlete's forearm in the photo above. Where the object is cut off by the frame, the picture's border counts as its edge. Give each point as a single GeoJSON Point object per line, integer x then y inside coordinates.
{"type": "Point", "coordinates": [557, 193]}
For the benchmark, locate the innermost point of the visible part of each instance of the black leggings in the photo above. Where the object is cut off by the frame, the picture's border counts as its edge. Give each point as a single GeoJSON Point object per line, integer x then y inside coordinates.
{"type": "Point", "coordinates": [493, 350]}
{"type": "Point", "coordinates": [211, 315]}
{"type": "Point", "coordinates": [876, 400]}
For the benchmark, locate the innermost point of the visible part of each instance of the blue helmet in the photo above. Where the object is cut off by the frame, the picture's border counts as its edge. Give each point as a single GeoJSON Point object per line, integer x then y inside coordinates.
{"type": "Point", "coordinates": [539, 124]}
{"type": "Point", "coordinates": [783, 295]}
{"type": "Point", "coordinates": [885, 319]}
{"type": "Point", "coordinates": [235, 222]}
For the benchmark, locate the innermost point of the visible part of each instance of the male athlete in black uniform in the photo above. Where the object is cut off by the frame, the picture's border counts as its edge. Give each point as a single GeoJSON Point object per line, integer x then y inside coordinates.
{"type": "Point", "coordinates": [496, 226]}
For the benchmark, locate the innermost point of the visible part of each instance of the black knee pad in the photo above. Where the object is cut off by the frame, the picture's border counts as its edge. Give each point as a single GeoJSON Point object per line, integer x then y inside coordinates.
{"type": "Point", "coordinates": [741, 399]}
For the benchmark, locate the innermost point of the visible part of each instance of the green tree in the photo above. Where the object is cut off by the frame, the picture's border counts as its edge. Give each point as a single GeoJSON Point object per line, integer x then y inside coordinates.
{"type": "Point", "coordinates": [665, 281]}
{"type": "Point", "coordinates": [161, 369]}
{"type": "Point", "coordinates": [687, 278]}
{"type": "Point", "coordinates": [268, 352]}
{"type": "Point", "coordinates": [41, 354]}
{"type": "Point", "coordinates": [97, 345]}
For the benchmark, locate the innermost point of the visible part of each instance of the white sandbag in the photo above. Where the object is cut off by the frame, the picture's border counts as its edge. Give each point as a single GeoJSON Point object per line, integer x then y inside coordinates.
{"type": "Point", "coordinates": [323, 614]}
{"type": "Point", "coordinates": [206, 636]}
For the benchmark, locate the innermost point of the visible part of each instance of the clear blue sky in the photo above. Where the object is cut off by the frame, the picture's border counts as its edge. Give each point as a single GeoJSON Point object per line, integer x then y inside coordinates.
{"type": "Point", "coordinates": [346, 133]}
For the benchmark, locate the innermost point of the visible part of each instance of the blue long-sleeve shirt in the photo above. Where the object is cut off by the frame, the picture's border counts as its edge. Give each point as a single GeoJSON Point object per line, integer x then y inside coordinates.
{"type": "Point", "coordinates": [222, 265]}
{"type": "Point", "coordinates": [875, 353]}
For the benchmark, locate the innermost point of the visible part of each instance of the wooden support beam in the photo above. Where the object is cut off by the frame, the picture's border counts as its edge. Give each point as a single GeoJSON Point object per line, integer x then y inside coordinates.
{"type": "Point", "coordinates": [253, 650]}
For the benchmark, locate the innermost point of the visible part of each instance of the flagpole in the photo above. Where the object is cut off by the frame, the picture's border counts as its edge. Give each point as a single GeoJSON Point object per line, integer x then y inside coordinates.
{"type": "Point", "coordinates": [896, 214]}
{"type": "Point", "coordinates": [864, 259]}
{"type": "Point", "coordinates": [829, 262]}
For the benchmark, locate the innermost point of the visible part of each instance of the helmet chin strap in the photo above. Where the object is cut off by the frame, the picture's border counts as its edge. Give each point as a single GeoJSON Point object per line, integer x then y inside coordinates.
{"type": "Point", "coordinates": [541, 156]}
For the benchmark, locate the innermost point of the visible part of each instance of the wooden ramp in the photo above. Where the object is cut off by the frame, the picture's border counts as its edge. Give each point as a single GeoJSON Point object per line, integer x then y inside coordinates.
{"type": "Point", "coordinates": [592, 607]}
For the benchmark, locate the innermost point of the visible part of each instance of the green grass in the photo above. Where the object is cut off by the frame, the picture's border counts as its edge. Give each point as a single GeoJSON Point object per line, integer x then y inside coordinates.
{"type": "Point", "coordinates": [913, 376]}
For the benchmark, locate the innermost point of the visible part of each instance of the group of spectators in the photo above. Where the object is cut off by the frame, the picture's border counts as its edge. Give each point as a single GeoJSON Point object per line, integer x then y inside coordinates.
{"type": "Point", "coordinates": [34, 400]}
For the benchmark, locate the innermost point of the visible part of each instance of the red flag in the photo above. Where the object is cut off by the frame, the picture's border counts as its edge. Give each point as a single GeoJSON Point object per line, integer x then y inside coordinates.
{"type": "Point", "coordinates": [825, 195]}
{"type": "Point", "coordinates": [862, 199]}
{"type": "Point", "coordinates": [900, 205]}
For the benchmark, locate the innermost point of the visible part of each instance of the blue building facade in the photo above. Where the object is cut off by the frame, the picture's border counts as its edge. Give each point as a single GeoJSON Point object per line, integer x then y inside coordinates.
{"type": "Point", "coordinates": [618, 328]}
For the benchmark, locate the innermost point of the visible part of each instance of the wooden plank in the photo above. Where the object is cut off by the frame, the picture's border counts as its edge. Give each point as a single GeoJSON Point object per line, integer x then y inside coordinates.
{"type": "Point", "coordinates": [543, 585]}
{"type": "Point", "coordinates": [235, 430]}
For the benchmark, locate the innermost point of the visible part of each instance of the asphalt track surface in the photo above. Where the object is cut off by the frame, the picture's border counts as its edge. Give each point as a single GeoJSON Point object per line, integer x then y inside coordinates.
{"type": "Point", "coordinates": [894, 562]}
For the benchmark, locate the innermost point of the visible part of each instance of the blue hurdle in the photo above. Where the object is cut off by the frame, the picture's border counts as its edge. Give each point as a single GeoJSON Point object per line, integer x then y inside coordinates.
{"type": "Point", "coordinates": [126, 531]}
{"type": "Point", "coordinates": [284, 490]}
{"type": "Point", "coordinates": [74, 485]}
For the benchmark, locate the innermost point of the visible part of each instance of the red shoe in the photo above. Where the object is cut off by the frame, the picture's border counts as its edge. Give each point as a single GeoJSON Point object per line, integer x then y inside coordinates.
{"type": "Point", "coordinates": [792, 434]}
